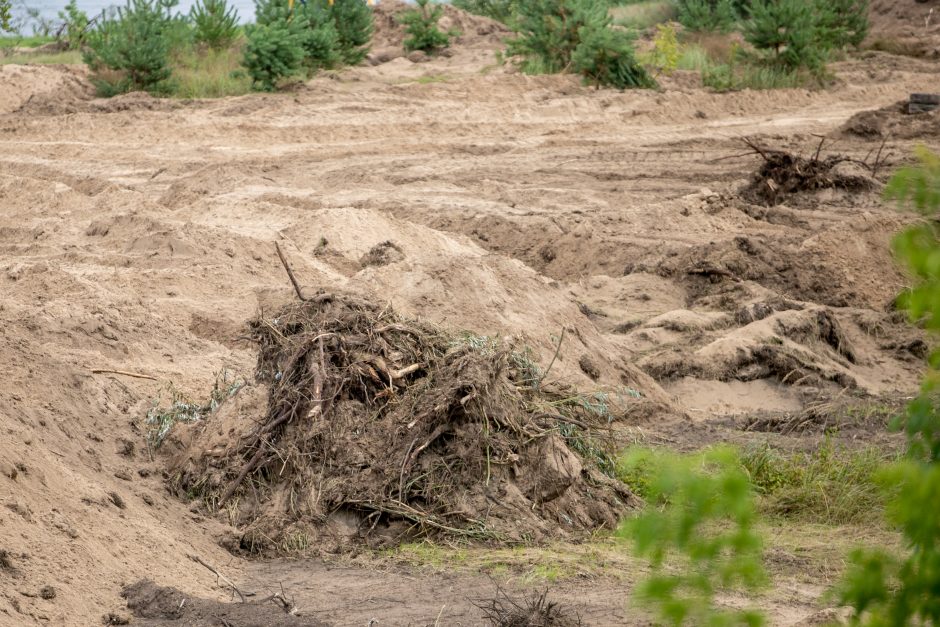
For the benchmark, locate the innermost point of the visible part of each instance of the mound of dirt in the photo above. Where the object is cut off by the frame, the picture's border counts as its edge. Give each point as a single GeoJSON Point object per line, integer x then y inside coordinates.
{"type": "Point", "coordinates": [29, 87]}
{"type": "Point", "coordinates": [475, 31]}
{"type": "Point", "coordinates": [893, 122]}
{"type": "Point", "coordinates": [379, 428]}
{"type": "Point", "coordinates": [910, 27]}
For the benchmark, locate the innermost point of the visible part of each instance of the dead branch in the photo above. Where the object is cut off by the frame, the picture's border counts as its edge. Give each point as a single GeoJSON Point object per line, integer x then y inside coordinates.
{"type": "Point", "coordinates": [219, 576]}
{"type": "Point", "coordinates": [125, 373]}
{"type": "Point", "coordinates": [290, 273]}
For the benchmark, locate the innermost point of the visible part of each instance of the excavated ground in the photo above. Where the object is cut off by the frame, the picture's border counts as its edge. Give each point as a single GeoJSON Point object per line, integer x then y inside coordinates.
{"type": "Point", "coordinates": [137, 235]}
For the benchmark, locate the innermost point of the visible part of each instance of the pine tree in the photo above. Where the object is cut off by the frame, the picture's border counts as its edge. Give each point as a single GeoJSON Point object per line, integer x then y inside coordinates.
{"type": "Point", "coordinates": [215, 22]}
{"type": "Point", "coordinates": [274, 51]}
{"type": "Point", "coordinates": [786, 31]}
{"type": "Point", "coordinates": [708, 15]}
{"type": "Point", "coordinates": [354, 26]}
{"type": "Point", "coordinates": [499, 10]}
{"type": "Point", "coordinates": [134, 44]}
{"type": "Point", "coordinates": [421, 27]}
{"type": "Point", "coordinates": [562, 35]}
{"type": "Point", "coordinates": [841, 23]}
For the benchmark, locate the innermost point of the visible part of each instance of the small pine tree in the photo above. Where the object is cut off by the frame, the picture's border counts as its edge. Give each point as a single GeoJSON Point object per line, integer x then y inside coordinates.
{"type": "Point", "coordinates": [312, 25]}
{"type": "Point", "coordinates": [133, 44]}
{"type": "Point", "coordinates": [76, 23]}
{"type": "Point", "coordinates": [274, 51]}
{"type": "Point", "coordinates": [499, 10]}
{"type": "Point", "coordinates": [605, 57]}
{"type": "Point", "coordinates": [354, 25]}
{"type": "Point", "coordinates": [708, 15]}
{"type": "Point", "coordinates": [421, 27]}
{"type": "Point", "coordinates": [561, 35]}
{"type": "Point", "coordinates": [215, 23]}
{"type": "Point", "coordinates": [319, 38]}
{"type": "Point", "coordinates": [786, 32]}
{"type": "Point", "coordinates": [841, 23]}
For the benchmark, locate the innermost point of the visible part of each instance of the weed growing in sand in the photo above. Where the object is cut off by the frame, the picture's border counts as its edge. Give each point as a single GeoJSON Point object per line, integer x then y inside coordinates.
{"type": "Point", "coordinates": [422, 29]}
{"type": "Point", "coordinates": [883, 587]}
{"type": "Point", "coordinates": [698, 533]}
{"type": "Point", "coordinates": [161, 420]}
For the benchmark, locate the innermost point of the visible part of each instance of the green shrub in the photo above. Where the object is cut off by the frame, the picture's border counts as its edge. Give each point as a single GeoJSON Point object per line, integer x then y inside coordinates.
{"type": "Point", "coordinates": [5, 16]}
{"type": "Point", "coordinates": [312, 27]}
{"type": "Point", "coordinates": [215, 23]}
{"type": "Point", "coordinates": [665, 55]}
{"type": "Point", "coordinates": [76, 23]}
{"type": "Point", "coordinates": [353, 22]}
{"type": "Point", "coordinates": [887, 589]}
{"type": "Point", "coordinates": [697, 532]}
{"type": "Point", "coordinates": [785, 32]}
{"type": "Point", "coordinates": [132, 46]}
{"type": "Point", "coordinates": [274, 51]}
{"type": "Point", "coordinates": [499, 10]}
{"type": "Point", "coordinates": [560, 35]}
{"type": "Point", "coordinates": [421, 27]}
{"type": "Point", "coordinates": [708, 15]}
{"type": "Point", "coordinates": [605, 57]}
{"type": "Point", "coordinates": [841, 23]}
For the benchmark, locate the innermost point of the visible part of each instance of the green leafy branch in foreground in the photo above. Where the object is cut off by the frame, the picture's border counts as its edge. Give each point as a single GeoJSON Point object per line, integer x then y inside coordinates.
{"type": "Point", "coordinates": [886, 589]}
{"type": "Point", "coordinates": [697, 533]}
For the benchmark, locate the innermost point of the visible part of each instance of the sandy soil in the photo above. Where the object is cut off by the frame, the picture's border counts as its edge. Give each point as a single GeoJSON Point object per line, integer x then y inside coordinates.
{"type": "Point", "coordinates": [137, 235]}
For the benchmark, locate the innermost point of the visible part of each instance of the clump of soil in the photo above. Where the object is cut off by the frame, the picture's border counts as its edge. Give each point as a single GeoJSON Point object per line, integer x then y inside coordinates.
{"type": "Point", "coordinates": [382, 254]}
{"type": "Point", "coordinates": [380, 428]}
{"type": "Point", "coordinates": [153, 605]}
{"type": "Point", "coordinates": [784, 174]}
{"type": "Point", "coordinates": [893, 121]}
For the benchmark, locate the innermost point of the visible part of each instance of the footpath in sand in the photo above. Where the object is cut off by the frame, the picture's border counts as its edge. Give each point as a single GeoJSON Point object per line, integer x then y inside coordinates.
{"type": "Point", "coordinates": [137, 235]}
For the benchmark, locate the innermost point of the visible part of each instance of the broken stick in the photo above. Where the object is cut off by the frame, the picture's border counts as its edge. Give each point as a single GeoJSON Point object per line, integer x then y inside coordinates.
{"type": "Point", "coordinates": [136, 375]}
{"type": "Point", "coordinates": [219, 576]}
{"type": "Point", "coordinates": [290, 273]}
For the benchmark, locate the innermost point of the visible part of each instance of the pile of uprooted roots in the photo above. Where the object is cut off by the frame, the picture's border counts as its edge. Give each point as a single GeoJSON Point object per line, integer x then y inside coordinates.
{"type": "Point", "coordinates": [380, 428]}
{"type": "Point", "coordinates": [783, 174]}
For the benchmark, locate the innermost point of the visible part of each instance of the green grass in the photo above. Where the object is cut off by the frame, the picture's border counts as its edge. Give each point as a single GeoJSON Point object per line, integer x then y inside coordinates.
{"type": "Point", "coordinates": [209, 74]}
{"type": "Point", "coordinates": [693, 58]}
{"type": "Point", "coordinates": [15, 41]}
{"type": "Point", "coordinates": [69, 57]}
{"type": "Point", "coordinates": [830, 485]}
{"type": "Point", "coordinates": [643, 15]}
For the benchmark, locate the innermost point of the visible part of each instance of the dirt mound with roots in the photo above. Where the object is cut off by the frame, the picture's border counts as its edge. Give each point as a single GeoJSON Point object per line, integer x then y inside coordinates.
{"type": "Point", "coordinates": [378, 428]}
